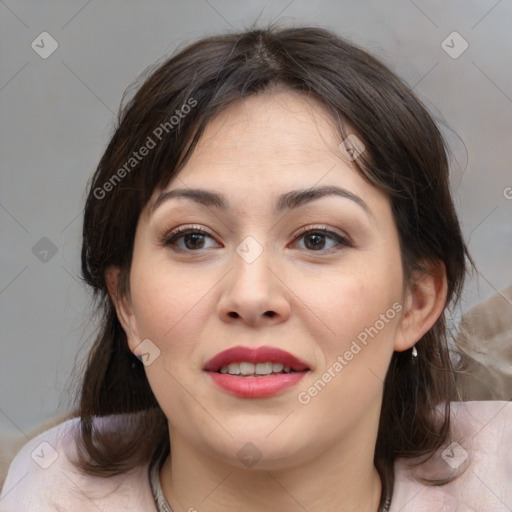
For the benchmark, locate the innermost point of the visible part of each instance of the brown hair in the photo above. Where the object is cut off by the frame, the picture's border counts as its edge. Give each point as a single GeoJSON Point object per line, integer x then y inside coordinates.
{"type": "Point", "coordinates": [405, 156]}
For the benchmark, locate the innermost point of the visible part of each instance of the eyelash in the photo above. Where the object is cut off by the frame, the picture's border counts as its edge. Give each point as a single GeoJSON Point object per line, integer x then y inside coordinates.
{"type": "Point", "coordinates": [342, 241]}
{"type": "Point", "coordinates": [171, 238]}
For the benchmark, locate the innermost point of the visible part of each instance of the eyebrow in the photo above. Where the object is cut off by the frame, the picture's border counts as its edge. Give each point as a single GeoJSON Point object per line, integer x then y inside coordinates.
{"type": "Point", "coordinates": [285, 202]}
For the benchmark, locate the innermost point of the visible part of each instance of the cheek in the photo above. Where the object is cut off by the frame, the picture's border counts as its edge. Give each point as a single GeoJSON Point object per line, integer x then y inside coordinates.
{"type": "Point", "coordinates": [169, 306]}
{"type": "Point", "coordinates": [353, 296]}
{"type": "Point", "coordinates": [171, 309]}
{"type": "Point", "coordinates": [357, 322]}
{"type": "Point", "coordinates": [354, 339]}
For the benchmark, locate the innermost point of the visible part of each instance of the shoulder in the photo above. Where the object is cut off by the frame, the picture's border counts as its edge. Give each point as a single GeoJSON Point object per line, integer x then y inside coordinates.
{"type": "Point", "coordinates": [43, 478]}
{"type": "Point", "coordinates": [477, 454]}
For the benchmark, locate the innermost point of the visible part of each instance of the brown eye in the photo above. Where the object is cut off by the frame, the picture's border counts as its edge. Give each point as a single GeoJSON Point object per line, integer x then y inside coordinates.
{"type": "Point", "coordinates": [314, 241]}
{"type": "Point", "coordinates": [187, 240]}
{"type": "Point", "coordinates": [193, 241]}
{"type": "Point", "coordinates": [322, 240]}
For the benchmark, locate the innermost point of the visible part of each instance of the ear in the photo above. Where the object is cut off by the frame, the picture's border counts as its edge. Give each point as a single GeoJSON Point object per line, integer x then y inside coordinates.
{"type": "Point", "coordinates": [424, 302]}
{"type": "Point", "coordinates": [124, 307]}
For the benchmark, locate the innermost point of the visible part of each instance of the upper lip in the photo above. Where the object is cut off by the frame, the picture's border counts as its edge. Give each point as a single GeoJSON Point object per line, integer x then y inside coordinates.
{"type": "Point", "coordinates": [254, 355]}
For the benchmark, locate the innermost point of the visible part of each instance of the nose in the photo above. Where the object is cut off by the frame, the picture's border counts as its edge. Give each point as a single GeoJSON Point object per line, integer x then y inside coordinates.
{"type": "Point", "coordinates": [254, 294]}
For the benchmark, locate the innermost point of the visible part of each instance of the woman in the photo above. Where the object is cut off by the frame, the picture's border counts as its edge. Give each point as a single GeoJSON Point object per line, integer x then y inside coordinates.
{"type": "Point", "coordinates": [272, 242]}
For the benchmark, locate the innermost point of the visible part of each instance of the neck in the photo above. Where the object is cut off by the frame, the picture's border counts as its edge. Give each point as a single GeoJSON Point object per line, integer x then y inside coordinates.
{"type": "Point", "coordinates": [339, 480]}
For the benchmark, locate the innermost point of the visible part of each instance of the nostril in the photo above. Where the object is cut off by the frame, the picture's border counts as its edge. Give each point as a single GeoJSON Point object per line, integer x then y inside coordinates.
{"type": "Point", "coordinates": [234, 314]}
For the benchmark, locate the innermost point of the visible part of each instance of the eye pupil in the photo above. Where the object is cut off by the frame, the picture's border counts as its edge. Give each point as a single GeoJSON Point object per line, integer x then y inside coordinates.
{"type": "Point", "coordinates": [317, 241]}
{"type": "Point", "coordinates": [194, 241]}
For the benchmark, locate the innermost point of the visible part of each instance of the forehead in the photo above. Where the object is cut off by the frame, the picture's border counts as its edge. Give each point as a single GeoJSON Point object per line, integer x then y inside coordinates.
{"type": "Point", "coordinates": [275, 137]}
{"type": "Point", "coordinates": [260, 152]}
{"type": "Point", "coordinates": [283, 123]}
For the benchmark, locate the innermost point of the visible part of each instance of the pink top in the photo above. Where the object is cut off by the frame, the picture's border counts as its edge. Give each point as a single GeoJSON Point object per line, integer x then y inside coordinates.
{"type": "Point", "coordinates": [42, 479]}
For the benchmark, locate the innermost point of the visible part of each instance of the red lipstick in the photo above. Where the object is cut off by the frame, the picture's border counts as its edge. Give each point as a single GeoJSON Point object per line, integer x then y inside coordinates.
{"type": "Point", "coordinates": [290, 371]}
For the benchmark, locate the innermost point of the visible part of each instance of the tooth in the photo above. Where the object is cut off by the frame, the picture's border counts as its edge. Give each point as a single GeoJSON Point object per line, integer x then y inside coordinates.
{"type": "Point", "coordinates": [234, 368]}
{"type": "Point", "coordinates": [287, 369]}
{"type": "Point", "coordinates": [277, 367]}
{"type": "Point", "coordinates": [264, 368]}
{"type": "Point", "coordinates": [224, 369]}
{"type": "Point", "coordinates": [247, 368]}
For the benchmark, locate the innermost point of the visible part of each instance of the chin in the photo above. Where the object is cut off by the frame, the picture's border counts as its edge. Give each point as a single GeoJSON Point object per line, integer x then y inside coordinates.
{"type": "Point", "coordinates": [254, 449]}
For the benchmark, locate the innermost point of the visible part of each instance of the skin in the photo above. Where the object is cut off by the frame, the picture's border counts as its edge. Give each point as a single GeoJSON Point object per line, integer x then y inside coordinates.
{"type": "Point", "coordinates": [316, 456]}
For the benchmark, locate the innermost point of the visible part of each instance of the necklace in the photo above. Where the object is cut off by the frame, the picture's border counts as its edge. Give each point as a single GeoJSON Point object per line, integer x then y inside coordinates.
{"type": "Point", "coordinates": [162, 505]}
{"type": "Point", "coordinates": [154, 480]}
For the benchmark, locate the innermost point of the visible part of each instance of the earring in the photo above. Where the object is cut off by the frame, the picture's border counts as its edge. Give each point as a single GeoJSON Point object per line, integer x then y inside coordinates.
{"type": "Point", "coordinates": [414, 352]}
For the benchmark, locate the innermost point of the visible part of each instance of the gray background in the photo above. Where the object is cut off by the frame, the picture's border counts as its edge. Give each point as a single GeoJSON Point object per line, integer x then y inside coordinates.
{"type": "Point", "coordinates": [57, 114]}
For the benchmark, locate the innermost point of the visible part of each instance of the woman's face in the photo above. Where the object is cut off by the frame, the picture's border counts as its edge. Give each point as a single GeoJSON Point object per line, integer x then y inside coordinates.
{"type": "Point", "coordinates": [286, 247]}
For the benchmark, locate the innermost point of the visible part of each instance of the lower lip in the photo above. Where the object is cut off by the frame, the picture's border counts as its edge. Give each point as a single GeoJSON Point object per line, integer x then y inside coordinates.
{"type": "Point", "coordinates": [256, 387]}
